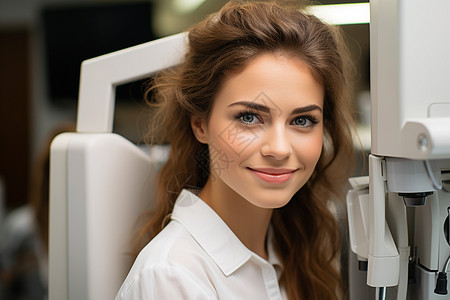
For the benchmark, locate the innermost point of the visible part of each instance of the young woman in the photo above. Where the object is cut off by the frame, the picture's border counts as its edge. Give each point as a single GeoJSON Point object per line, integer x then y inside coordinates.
{"type": "Point", "coordinates": [259, 124]}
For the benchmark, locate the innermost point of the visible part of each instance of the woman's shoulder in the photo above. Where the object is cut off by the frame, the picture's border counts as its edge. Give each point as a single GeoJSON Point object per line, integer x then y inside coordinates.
{"type": "Point", "coordinates": [174, 245]}
{"type": "Point", "coordinates": [163, 244]}
{"type": "Point", "coordinates": [173, 256]}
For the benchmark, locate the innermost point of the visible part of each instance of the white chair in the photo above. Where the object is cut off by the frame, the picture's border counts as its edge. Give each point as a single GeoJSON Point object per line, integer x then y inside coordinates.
{"type": "Point", "coordinates": [99, 181]}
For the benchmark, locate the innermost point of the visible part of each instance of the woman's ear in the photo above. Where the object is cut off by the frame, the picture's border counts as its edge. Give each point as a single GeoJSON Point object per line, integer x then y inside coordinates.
{"type": "Point", "coordinates": [200, 129]}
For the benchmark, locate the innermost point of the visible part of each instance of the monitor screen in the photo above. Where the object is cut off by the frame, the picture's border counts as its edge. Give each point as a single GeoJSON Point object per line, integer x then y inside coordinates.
{"type": "Point", "coordinates": [81, 31]}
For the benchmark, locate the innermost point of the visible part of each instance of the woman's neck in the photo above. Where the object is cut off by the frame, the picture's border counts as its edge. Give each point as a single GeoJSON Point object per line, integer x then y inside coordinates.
{"type": "Point", "coordinates": [247, 221]}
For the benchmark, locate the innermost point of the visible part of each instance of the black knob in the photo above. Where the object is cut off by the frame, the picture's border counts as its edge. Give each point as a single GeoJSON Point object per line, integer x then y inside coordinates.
{"type": "Point", "coordinates": [441, 284]}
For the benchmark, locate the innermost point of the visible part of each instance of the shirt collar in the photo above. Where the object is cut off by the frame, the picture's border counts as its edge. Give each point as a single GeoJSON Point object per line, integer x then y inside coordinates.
{"type": "Point", "coordinates": [213, 235]}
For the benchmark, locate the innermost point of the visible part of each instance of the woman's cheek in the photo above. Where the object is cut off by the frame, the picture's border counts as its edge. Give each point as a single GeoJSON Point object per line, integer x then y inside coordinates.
{"type": "Point", "coordinates": [230, 146]}
{"type": "Point", "coordinates": [309, 149]}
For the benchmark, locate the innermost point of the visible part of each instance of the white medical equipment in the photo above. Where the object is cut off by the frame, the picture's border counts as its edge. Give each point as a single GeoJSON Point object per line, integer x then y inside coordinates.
{"type": "Point", "coordinates": [100, 181]}
{"type": "Point", "coordinates": [406, 247]}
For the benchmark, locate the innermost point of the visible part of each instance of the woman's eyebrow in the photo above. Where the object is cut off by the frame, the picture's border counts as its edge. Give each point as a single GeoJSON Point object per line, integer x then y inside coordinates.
{"type": "Point", "coordinates": [252, 105]}
{"type": "Point", "coordinates": [307, 108]}
{"type": "Point", "coordinates": [263, 108]}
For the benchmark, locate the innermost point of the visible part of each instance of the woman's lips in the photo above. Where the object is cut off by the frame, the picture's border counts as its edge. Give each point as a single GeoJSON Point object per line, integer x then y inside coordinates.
{"type": "Point", "coordinates": [272, 175]}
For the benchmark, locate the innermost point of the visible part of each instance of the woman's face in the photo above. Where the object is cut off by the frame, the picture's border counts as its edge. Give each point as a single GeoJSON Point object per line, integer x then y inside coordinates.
{"type": "Point", "coordinates": [265, 130]}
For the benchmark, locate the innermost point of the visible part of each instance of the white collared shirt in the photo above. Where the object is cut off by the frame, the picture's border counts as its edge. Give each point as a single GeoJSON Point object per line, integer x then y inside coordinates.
{"type": "Point", "coordinates": [196, 256]}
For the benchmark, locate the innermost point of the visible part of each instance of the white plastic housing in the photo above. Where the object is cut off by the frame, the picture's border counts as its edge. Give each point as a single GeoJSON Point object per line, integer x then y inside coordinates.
{"type": "Point", "coordinates": [100, 184]}
{"type": "Point", "coordinates": [410, 176]}
{"type": "Point", "coordinates": [409, 67]}
{"type": "Point", "coordinates": [426, 138]}
{"type": "Point", "coordinates": [358, 216]}
{"type": "Point", "coordinates": [384, 259]}
{"type": "Point", "coordinates": [101, 75]}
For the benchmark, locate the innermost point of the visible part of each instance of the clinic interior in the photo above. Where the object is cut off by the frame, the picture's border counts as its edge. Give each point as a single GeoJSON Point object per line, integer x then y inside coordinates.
{"type": "Point", "coordinates": [42, 43]}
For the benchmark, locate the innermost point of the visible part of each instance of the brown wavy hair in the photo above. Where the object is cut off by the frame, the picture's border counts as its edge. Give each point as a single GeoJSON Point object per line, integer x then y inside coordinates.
{"type": "Point", "coordinates": [306, 234]}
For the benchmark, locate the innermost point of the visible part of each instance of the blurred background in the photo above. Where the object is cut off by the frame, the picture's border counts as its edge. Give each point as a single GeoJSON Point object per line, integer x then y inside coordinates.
{"type": "Point", "coordinates": [42, 44]}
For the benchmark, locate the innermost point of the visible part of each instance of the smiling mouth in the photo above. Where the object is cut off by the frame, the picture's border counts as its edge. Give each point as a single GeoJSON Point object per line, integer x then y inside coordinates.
{"type": "Point", "coordinates": [271, 175]}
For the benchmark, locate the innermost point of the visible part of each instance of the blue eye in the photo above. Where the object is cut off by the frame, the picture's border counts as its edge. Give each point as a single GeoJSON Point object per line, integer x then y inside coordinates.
{"type": "Point", "coordinates": [247, 118]}
{"type": "Point", "coordinates": [305, 121]}
{"type": "Point", "coordinates": [301, 122]}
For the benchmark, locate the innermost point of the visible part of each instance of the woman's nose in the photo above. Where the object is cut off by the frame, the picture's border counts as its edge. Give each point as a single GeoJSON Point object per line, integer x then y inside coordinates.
{"type": "Point", "coordinates": [276, 143]}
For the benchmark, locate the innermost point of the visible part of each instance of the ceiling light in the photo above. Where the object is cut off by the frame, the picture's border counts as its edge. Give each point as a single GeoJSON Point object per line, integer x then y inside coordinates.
{"type": "Point", "coordinates": [342, 14]}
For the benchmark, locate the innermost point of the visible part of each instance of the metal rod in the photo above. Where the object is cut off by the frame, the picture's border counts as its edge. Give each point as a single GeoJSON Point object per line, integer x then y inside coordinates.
{"type": "Point", "coordinates": [448, 225]}
{"type": "Point", "coordinates": [446, 264]}
{"type": "Point", "coordinates": [380, 293]}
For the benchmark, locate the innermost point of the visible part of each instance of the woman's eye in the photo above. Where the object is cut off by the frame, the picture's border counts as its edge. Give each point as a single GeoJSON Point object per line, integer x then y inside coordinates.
{"type": "Point", "coordinates": [301, 122]}
{"type": "Point", "coordinates": [248, 118]}
{"type": "Point", "coordinates": [304, 121]}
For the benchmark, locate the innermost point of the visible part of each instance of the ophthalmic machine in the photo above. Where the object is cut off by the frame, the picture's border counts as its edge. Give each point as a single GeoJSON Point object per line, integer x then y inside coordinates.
{"type": "Point", "coordinates": [399, 214]}
{"type": "Point", "coordinates": [99, 181]}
